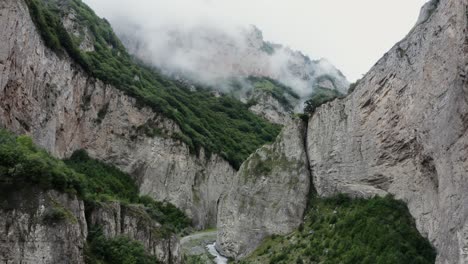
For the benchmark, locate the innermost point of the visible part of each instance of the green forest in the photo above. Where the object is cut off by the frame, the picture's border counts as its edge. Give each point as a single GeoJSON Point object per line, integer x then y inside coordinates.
{"type": "Point", "coordinates": [349, 231]}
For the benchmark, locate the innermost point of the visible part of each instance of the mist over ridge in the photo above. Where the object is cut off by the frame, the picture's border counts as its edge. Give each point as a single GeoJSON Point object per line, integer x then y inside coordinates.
{"type": "Point", "coordinates": [223, 56]}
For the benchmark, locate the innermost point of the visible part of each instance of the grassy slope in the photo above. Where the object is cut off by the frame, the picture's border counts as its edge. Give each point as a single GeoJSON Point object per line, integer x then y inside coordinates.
{"type": "Point", "coordinates": [221, 125]}
{"type": "Point", "coordinates": [342, 230]}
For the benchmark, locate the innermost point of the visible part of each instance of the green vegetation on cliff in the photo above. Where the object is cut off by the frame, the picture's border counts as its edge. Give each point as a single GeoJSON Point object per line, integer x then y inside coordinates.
{"type": "Point", "coordinates": [221, 125]}
{"type": "Point", "coordinates": [319, 97]}
{"type": "Point", "coordinates": [104, 182]}
{"type": "Point", "coordinates": [345, 230]}
{"type": "Point", "coordinates": [23, 164]}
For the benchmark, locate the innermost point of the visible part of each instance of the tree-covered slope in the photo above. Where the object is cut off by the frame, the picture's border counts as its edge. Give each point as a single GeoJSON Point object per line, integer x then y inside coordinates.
{"type": "Point", "coordinates": [24, 165]}
{"type": "Point", "coordinates": [344, 230]}
{"type": "Point", "coordinates": [222, 125]}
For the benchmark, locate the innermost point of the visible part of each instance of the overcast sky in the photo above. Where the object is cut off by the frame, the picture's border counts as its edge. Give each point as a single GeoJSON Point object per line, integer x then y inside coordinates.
{"type": "Point", "coordinates": [353, 35]}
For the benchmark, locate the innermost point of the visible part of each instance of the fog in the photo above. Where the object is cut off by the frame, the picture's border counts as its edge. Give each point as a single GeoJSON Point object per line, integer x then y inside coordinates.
{"type": "Point", "coordinates": [353, 35]}
{"type": "Point", "coordinates": [218, 54]}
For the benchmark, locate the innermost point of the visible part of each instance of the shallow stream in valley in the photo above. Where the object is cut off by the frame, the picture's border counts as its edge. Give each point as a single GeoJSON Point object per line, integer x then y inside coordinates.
{"type": "Point", "coordinates": [218, 258]}
{"type": "Point", "coordinates": [201, 246]}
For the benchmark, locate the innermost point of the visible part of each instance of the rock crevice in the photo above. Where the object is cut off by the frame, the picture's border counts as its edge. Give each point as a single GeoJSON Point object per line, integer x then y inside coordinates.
{"type": "Point", "coordinates": [268, 196]}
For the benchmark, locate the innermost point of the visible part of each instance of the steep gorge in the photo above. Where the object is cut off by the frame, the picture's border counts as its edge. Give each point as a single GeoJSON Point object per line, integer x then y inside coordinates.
{"type": "Point", "coordinates": [403, 131]}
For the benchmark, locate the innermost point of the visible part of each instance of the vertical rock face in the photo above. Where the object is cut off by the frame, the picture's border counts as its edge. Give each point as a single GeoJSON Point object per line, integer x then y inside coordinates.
{"type": "Point", "coordinates": [63, 109]}
{"type": "Point", "coordinates": [50, 227]}
{"type": "Point", "coordinates": [132, 221]}
{"type": "Point", "coordinates": [268, 196]}
{"type": "Point", "coordinates": [33, 231]}
{"type": "Point", "coordinates": [404, 130]}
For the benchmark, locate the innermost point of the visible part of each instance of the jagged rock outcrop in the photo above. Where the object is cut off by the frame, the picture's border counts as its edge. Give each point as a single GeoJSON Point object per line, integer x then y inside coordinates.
{"type": "Point", "coordinates": [268, 196]}
{"type": "Point", "coordinates": [63, 109]}
{"type": "Point", "coordinates": [403, 131]}
{"type": "Point", "coordinates": [41, 227]}
{"type": "Point", "coordinates": [132, 221]}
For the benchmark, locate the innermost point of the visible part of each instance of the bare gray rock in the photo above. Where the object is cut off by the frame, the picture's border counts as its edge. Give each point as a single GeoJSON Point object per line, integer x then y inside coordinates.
{"type": "Point", "coordinates": [49, 227]}
{"type": "Point", "coordinates": [268, 196]}
{"type": "Point", "coordinates": [42, 227]}
{"type": "Point", "coordinates": [404, 130]}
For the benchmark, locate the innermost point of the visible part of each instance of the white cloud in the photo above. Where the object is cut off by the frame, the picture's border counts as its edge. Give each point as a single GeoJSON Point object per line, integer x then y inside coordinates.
{"type": "Point", "coordinates": [353, 35]}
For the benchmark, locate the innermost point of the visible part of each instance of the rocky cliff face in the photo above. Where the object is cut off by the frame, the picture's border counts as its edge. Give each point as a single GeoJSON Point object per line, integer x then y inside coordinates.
{"type": "Point", "coordinates": [402, 132]}
{"type": "Point", "coordinates": [50, 227]}
{"type": "Point", "coordinates": [31, 232]}
{"type": "Point", "coordinates": [53, 100]}
{"type": "Point", "coordinates": [268, 196]}
{"type": "Point", "coordinates": [132, 221]}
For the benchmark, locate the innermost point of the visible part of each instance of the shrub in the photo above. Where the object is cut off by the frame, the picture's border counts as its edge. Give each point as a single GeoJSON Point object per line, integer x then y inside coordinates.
{"type": "Point", "coordinates": [55, 215]}
{"type": "Point", "coordinates": [353, 86]}
{"type": "Point", "coordinates": [118, 250]}
{"type": "Point", "coordinates": [320, 97]}
{"type": "Point", "coordinates": [22, 163]}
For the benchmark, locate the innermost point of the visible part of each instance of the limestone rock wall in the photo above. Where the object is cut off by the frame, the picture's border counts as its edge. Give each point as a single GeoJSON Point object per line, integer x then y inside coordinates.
{"type": "Point", "coordinates": [30, 233]}
{"type": "Point", "coordinates": [50, 227]}
{"type": "Point", "coordinates": [404, 130]}
{"type": "Point", "coordinates": [268, 196]}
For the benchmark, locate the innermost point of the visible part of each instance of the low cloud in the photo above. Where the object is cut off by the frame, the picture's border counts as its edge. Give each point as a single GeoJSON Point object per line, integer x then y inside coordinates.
{"type": "Point", "coordinates": [213, 53]}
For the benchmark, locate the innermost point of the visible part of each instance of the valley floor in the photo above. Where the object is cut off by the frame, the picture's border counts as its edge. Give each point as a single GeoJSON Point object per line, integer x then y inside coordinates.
{"type": "Point", "coordinates": [195, 248]}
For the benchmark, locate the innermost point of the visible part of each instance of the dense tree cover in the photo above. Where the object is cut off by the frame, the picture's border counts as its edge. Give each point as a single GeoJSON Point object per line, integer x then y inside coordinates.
{"type": "Point", "coordinates": [221, 125]}
{"type": "Point", "coordinates": [345, 230]}
{"type": "Point", "coordinates": [320, 97]}
{"type": "Point", "coordinates": [118, 250]}
{"type": "Point", "coordinates": [23, 164]}
{"type": "Point", "coordinates": [103, 182]}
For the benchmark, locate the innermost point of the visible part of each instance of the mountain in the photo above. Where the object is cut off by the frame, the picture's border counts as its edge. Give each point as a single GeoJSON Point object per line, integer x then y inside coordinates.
{"type": "Point", "coordinates": [219, 58]}
{"type": "Point", "coordinates": [402, 132]}
{"type": "Point", "coordinates": [110, 160]}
